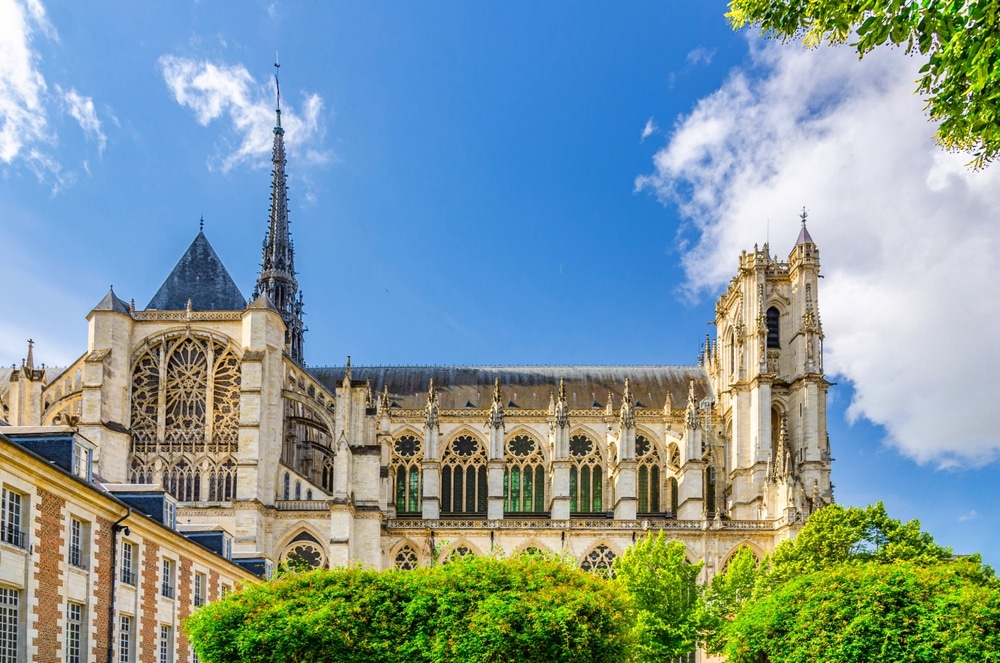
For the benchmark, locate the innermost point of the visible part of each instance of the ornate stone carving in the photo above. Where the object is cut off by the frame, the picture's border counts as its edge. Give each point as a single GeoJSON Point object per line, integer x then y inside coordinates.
{"type": "Point", "coordinates": [496, 409]}
{"type": "Point", "coordinates": [627, 417]}
{"type": "Point", "coordinates": [562, 406]}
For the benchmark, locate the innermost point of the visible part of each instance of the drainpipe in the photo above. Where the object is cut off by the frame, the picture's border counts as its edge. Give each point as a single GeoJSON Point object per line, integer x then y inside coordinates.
{"type": "Point", "coordinates": [115, 529]}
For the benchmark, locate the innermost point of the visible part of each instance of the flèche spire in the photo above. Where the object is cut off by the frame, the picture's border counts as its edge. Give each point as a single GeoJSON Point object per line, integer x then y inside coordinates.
{"type": "Point", "coordinates": [277, 270]}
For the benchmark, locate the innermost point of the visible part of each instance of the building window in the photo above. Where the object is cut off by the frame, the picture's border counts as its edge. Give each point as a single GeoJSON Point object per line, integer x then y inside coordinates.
{"type": "Point", "coordinates": [9, 624]}
{"type": "Point", "coordinates": [463, 477]}
{"type": "Point", "coordinates": [286, 493]}
{"type": "Point", "coordinates": [674, 496]}
{"type": "Point", "coordinates": [170, 514]}
{"type": "Point", "coordinates": [649, 475]}
{"type": "Point", "coordinates": [11, 505]}
{"type": "Point", "coordinates": [524, 477]}
{"type": "Point", "coordinates": [773, 322]}
{"type": "Point", "coordinates": [586, 476]}
{"type": "Point", "coordinates": [77, 543]}
{"type": "Point", "coordinates": [166, 644]}
{"type": "Point", "coordinates": [600, 560]}
{"type": "Point", "coordinates": [199, 590]}
{"type": "Point", "coordinates": [406, 454]}
{"type": "Point", "coordinates": [710, 491]}
{"type": "Point", "coordinates": [167, 578]}
{"type": "Point", "coordinates": [225, 590]}
{"type": "Point", "coordinates": [128, 563]}
{"type": "Point", "coordinates": [406, 559]}
{"type": "Point", "coordinates": [74, 632]}
{"type": "Point", "coordinates": [125, 624]}
{"type": "Point", "coordinates": [227, 547]}
{"type": "Point", "coordinates": [81, 462]}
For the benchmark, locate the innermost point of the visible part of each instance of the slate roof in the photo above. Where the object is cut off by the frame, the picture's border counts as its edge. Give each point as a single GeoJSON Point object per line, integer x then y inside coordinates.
{"type": "Point", "coordinates": [804, 237]}
{"type": "Point", "coordinates": [527, 387]}
{"type": "Point", "coordinates": [112, 302]}
{"type": "Point", "coordinates": [201, 277]}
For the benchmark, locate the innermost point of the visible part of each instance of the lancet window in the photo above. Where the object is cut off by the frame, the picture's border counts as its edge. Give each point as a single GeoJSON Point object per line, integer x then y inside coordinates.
{"type": "Point", "coordinates": [524, 476]}
{"type": "Point", "coordinates": [407, 452]}
{"type": "Point", "coordinates": [649, 475]}
{"type": "Point", "coordinates": [773, 319]}
{"type": "Point", "coordinates": [326, 479]}
{"type": "Point", "coordinates": [710, 490]}
{"type": "Point", "coordinates": [672, 494]}
{"type": "Point", "coordinates": [463, 477]}
{"type": "Point", "coordinates": [586, 476]}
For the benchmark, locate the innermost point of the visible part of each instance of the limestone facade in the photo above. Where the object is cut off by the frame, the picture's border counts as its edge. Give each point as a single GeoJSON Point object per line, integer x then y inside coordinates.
{"type": "Point", "coordinates": [404, 466]}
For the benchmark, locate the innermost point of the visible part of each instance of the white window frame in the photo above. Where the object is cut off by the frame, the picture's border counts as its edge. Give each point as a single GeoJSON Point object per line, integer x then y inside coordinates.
{"type": "Point", "coordinates": [127, 572]}
{"type": "Point", "coordinates": [168, 579]}
{"type": "Point", "coordinates": [200, 585]}
{"type": "Point", "coordinates": [125, 640]}
{"type": "Point", "coordinates": [10, 624]}
{"type": "Point", "coordinates": [11, 517]}
{"type": "Point", "coordinates": [78, 533]}
{"type": "Point", "coordinates": [75, 640]}
{"type": "Point", "coordinates": [166, 644]}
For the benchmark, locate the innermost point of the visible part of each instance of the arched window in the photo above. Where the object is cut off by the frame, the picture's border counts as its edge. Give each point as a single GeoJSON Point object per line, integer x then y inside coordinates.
{"type": "Point", "coordinates": [183, 481]}
{"type": "Point", "coordinates": [406, 454]}
{"type": "Point", "coordinates": [586, 476]}
{"type": "Point", "coordinates": [222, 482]}
{"type": "Point", "coordinates": [327, 479]}
{"type": "Point", "coordinates": [463, 477]}
{"type": "Point", "coordinates": [672, 490]}
{"type": "Point", "coordinates": [524, 476]}
{"type": "Point", "coordinates": [773, 322]}
{"type": "Point", "coordinates": [649, 475]}
{"type": "Point", "coordinates": [459, 553]}
{"type": "Point", "coordinates": [298, 490]}
{"type": "Point", "coordinates": [286, 493]}
{"type": "Point", "coordinates": [406, 559]}
{"type": "Point", "coordinates": [600, 560]}
{"type": "Point", "coordinates": [710, 490]}
{"type": "Point", "coordinates": [140, 472]}
{"type": "Point", "coordinates": [732, 352]}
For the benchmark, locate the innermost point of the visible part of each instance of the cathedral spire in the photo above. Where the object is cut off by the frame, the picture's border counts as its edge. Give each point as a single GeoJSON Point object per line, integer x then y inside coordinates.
{"type": "Point", "coordinates": [277, 270]}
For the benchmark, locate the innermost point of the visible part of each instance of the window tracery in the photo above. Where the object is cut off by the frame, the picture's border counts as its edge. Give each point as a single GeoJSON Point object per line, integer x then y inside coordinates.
{"type": "Point", "coordinates": [649, 475]}
{"type": "Point", "coordinates": [463, 476]}
{"type": "Point", "coordinates": [185, 410]}
{"type": "Point", "coordinates": [524, 476]}
{"type": "Point", "coordinates": [407, 452]}
{"type": "Point", "coordinates": [586, 476]}
{"type": "Point", "coordinates": [601, 560]}
{"type": "Point", "coordinates": [406, 559]}
{"type": "Point", "coordinates": [459, 553]}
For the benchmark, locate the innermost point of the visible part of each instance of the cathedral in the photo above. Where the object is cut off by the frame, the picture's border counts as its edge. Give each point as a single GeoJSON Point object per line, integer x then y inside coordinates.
{"type": "Point", "coordinates": [206, 393]}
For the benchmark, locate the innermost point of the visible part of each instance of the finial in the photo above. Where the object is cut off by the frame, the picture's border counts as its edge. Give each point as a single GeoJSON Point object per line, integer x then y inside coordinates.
{"type": "Point", "coordinates": [277, 89]}
{"type": "Point", "coordinates": [201, 224]}
{"type": "Point", "coordinates": [30, 363]}
{"type": "Point", "coordinates": [804, 216]}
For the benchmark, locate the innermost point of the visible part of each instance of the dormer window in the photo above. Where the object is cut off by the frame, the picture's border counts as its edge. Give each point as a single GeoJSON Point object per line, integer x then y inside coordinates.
{"type": "Point", "coordinates": [227, 547]}
{"type": "Point", "coordinates": [82, 461]}
{"type": "Point", "coordinates": [169, 514]}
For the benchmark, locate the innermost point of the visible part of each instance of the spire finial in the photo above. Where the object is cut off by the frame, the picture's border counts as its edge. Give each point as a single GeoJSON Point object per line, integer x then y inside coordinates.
{"type": "Point", "coordinates": [30, 362]}
{"type": "Point", "coordinates": [804, 216]}
{"type": "Point", "coordinates": [201, 224]}
{"type": "Point", "coordinates": [277, 89]}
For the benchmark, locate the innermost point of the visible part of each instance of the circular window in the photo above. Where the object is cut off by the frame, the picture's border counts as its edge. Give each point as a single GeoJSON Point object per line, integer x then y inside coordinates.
{"type": "Point", "coordinates": [407, 446]}
{"type": "Point", "coordinates": [642, 446]}
{"type": "Point", "coordinates": [521, 446]}
{"type": "Point", "coordinates": [580, 446]}
{"type": "Point", "coordinates": [465, 446]}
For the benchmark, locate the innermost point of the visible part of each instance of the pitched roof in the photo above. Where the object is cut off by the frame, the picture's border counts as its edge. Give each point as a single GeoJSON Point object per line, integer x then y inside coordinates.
{"type": "Point", "coordinates": [112, 302]}
{"type": "Point", "coordinates": [201, 277]}
{"type": "Point", "coordinates": [526, 387]}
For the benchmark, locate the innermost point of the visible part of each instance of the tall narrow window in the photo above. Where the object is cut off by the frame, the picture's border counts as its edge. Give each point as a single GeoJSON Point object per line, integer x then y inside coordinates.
{"type": "Point", "coordinates": [710, 490]}
{"type": "Point", "coordinates": [649, 475]}
{"type": "Point", "coordinates": [586, 476]}
{"type": "Point", "coordinates": [128, 563]}
{"type": "Point", "coordinates": [524, 486]}
{"type": "Point", "coordinates": [166, 644]}
{"type": "Point", "coordinates": [672, 487]}
{"type": "Point", "coordinates": [78, 536]}
{"type": "Point", "coordinates": [406, 454]}
{"type": "Point", "coordinates": [286, 493]}
{"type": "Point", "coordinates": [125, 626]}
{"type": "Point", "coordinates": [199, 589]}
{"type": "Point", "coordinates": [11, 504]}
{"type": "Point", "coordinates": [74, 632]}
{"type": "Point", "coordinates": [773, 323]}
{"type": "Point", "coordinates": [9, 624]}
{"type": "Point", "coordinates": [167, 579]}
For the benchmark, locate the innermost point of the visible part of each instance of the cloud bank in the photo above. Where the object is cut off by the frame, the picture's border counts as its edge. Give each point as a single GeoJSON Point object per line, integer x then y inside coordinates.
{"type": "Point", "coordinates": [909, 237]}
{"type": "Point", "coordinates": [26, 135]}
{"type": "Point", "coordinates": [213, 91]}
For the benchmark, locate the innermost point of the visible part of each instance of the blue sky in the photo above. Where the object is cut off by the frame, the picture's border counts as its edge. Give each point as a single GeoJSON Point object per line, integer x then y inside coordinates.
{"type": "Point", "coordinates": [517, 183]}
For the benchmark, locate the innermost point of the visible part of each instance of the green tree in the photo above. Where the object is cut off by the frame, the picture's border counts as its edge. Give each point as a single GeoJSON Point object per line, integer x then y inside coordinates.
{"type": "Point", "coordinates": [728, 592]}
{"type": "Point", "coordinates": [531, 608]}
{"type": "Point", "coordinates": [959, 41]}
{"type": "Point", "coordinates": [838, 535]}
{"type": "Point", "coordinates": [665, 596]}
{"type": "Point", "coordinates": [896, 611]}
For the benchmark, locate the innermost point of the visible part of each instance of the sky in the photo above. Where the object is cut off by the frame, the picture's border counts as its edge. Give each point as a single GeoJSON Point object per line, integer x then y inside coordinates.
{"type": "Point", "coordinates": [518, 183]}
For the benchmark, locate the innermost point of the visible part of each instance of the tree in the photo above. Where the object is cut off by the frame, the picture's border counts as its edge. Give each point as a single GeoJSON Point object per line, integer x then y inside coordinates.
{"type": "Point", "coordinates": [531, 608]}
{"type": "Point", "coordinates": [897, 611]}
{"type": "Point", "coordinates": [728, 592]}
{"type": "Point", "coordinates": [666, 602]}
{"type": "Point", "coordinates": [959, 40]}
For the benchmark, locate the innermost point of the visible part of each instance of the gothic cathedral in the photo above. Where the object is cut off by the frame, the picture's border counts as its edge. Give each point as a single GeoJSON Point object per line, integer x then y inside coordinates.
{"type": "Point", "coordinates": [207, 394]}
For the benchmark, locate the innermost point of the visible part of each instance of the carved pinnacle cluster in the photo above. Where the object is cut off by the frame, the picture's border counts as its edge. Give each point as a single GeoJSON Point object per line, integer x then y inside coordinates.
{"type": "Point", "coordinates": [496, 409]}
{"type": "Point", "coordinates": [277, 269]}
{"type": "Point", "coordinates": [433, 410]}
{"type": "Point", "coordinates": [628, 407]}
{"type": "Point", "coordinates": [562, 406]}
{"type": "Point", "coordinates": [693, 418]}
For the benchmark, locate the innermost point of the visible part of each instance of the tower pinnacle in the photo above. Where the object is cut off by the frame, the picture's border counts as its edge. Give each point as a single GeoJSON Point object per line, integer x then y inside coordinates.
{"type": "Point", "coordinates": [277, 270]}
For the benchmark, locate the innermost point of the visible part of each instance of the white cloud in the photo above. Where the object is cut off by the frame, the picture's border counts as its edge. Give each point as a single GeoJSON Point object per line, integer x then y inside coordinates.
{"type": "Point", "coordinates": [649, 129]}
{"type": "Point", "coordinates": [701, 55]}
{"type": "Point", "coordinates": [910, 237]}
{"type": "Point", "coordinates": [214, 91]}
{"type": "Point", "coordinates": [81, 109]}
{"type": "Point", "coordinates": [972, 515]}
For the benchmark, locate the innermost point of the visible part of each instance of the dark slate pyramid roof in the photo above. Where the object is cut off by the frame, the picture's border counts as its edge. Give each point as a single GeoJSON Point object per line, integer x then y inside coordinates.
{"type": "Point", "coordinates": [112, 302]}
{"type": "Point", "coordinates": [201, 277]}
